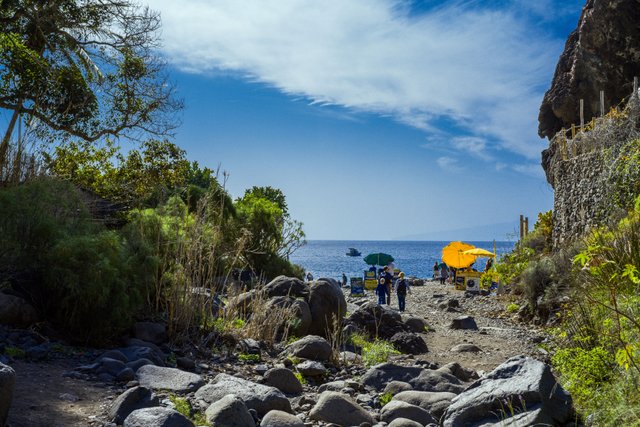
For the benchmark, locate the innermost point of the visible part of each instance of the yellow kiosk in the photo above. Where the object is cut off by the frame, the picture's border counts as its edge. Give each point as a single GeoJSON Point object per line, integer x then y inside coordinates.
{"type": "Point", "coordinates": [461, 256]}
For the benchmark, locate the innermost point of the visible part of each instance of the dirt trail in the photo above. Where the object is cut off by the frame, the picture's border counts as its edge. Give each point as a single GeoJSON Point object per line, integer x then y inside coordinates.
{"type": "Point", "coordinates": [43, 397]}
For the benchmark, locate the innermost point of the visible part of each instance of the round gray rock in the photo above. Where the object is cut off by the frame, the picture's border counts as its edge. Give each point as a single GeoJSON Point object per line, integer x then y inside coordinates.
{"type": "Point", "coordinates": [129, 401]}
{"type": "Point", "coordinates": [416, 324]}
{"type": "Point", "coordinates": [157, 417]}
{"type": "Point", "coordinates": [395, 387]}
{"type": "Point", "coordinates": [158, 377]}
{"type": "Point", "coordinates": [260, 397]}
{"type": "Point", "coordinates": [328, 306]}
{"type": "Point", "coordinates": [230, 411]}
{"type": "Point", "coordinates": [7, 384]}
{"type": "Point", "coordinates": [287, 286]}
{"type": "Point", "coordinates": [399, 409]}
{"type": "Point", "coordinates": [312, 347]}
{"type": "Point", "coordinates": [466, 348]}
{"type": "Point", "coordinates": [434, 402]}
{"type": "Point", "coordinates": [283, 379]}
{"type": "Point", "coordinates": [464, 322]}
{"type": "Point", "coordinates": [338, 408]}
{"type": "Point", "coordinates": [280, 419]}
{"type": "Point", "coordinates": [404, 422]}
{"type": "Point", "coordinates": [153, 332]}
{"type": "Point", "coordinates": [311, 368]}
{"type": "Point", "coordinates": [16, 311]}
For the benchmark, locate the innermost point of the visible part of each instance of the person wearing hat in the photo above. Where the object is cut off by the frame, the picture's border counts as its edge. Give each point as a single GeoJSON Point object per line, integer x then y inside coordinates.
{"type": "Point", "coordinates": [402, 287]}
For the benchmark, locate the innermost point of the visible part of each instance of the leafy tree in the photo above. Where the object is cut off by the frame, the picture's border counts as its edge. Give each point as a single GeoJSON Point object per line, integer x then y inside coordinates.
{"type": "Point", "coordinates": [83, 68]}
{"type": "Point", "coordinates": [272, 194]}
{"type": "Point", "coordinates": [143, 176]}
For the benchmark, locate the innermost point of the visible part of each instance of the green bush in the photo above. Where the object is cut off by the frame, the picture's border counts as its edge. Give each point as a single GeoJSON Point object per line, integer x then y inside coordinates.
{"type": "Point", "coordinates": [583, 371]}
{"type": "Point", "coordinates": [373, 352]}
{"type": "Point", "coordinates": [89, 281]}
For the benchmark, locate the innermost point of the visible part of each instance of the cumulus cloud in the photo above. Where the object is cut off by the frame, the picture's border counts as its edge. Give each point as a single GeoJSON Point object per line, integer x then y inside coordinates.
{"type": "Point", "coordinates": [475, 67]}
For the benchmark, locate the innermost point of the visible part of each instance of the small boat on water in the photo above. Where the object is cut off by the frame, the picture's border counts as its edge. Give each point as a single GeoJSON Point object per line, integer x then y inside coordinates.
{"type": "Point", "coordinates": [353, 252]}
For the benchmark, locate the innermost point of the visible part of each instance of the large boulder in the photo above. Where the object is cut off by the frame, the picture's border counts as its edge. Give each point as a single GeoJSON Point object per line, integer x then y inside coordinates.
{"type": "Point", "coordinates": [260, 397]}
{"type": "Point", "coordinates": [409, 343]}
{"type": "Point", "coordinates": [16, 311]}
{"type": "Point", "coordinates": [132, 399]}
{"type": "Point", "coordinates": [339, 408]}
{"type": "Point", "coordinates": [176, 380]}
{"type": "Point", "coordinates": [377, 377]}
{"type": "Point", "coordinates": [328, 306]}
{"type": "Point", "coordinates": [399, 409]}
{"type": "Point", "coordinates": [312, 347]}
{"type": "Point", "coordinates": [377, 320]}
{"type": "Point", "coordinates": [416, 324]}
{"type": "Point", "coordinates": [157, 417]}
{"type": "Point", "coordinates": [283, 379]}
{"type": "Point", "coordinates": [242, 305]}
{"type": "Point", "coordinates": [153, 332]}
{"type": "Point", "coordinates": [280, 419]}
{"type": "Point", "coordinates": [229, 411]}
{"type": "Point", "coordinates": [287, 286]}
{"type": "Point", "coordinates": [7, 384]}
{"type": "Point", "coordinates": [525, 385]}
{"type": "Point", "coordinates": [301, 321]}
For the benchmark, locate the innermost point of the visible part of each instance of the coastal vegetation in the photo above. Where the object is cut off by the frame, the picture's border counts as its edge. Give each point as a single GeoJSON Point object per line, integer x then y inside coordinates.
{"type": "Point", "coordinates": [586, 292]}
{"type": "Point", "coordinates": [138, 231]}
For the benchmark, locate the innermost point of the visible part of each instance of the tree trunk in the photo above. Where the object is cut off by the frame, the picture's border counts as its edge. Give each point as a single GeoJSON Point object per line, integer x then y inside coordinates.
{"type": "Point", "coordinates": [4, 146]}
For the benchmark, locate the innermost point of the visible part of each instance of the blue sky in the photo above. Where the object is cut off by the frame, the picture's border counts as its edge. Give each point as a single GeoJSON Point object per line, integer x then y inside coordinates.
{"type": "Point", "coordinates": [378, 119]}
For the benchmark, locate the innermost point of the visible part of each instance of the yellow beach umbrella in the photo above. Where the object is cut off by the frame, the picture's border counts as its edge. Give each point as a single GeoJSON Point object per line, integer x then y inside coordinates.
{"type": "Point", "coordinates": [479, 252]}
{"type": "Point", "coordinates": [453, 255]}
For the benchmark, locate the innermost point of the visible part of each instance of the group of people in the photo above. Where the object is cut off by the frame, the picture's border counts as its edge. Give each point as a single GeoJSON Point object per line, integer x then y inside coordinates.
{"type": "Point", "coordinates": [386, 286]}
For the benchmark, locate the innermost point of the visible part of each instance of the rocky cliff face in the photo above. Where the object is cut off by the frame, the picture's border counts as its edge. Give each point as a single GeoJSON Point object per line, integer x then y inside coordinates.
{"type": "Point", "coordinates": [603, 53]}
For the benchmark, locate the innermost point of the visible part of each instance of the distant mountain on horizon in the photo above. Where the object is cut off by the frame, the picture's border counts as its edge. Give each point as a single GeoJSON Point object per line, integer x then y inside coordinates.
{"type": "Point", "coordinates": [500, 231]}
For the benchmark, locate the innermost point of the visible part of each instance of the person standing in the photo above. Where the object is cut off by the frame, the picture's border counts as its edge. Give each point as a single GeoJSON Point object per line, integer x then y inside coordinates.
{"type": "Point", "coordinates": [309, 276]}
{"type": "Point", "coordinates": [344, 280]}
{"type": "Point", "coordinates": [443, 273]}
{"type": "Point", "coordinates": [436, 270]}
{"type": "Point", "coordinates": [381, 290]}
{"type": "Point", "coordinates": [402, 288]}
{"type": "Point", "coordinates": [388, 277]}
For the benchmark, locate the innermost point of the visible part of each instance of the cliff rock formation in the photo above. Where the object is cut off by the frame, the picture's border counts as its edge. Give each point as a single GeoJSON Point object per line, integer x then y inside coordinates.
{"type": "Point", "coordinates": [603, 53]}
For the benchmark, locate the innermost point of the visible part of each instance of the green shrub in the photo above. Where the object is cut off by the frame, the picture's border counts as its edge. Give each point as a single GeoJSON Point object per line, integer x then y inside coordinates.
{"type": "Point", "coordinates": [513, 307]}
{"type": "Point", "coordinates": [385, 398]}
{"type": "Point", "coordinates": [373, 352]}
{"type": "Point", "coordinates": [583, 371]}
{"type": "Point", "coordinates": [249, 358]}
{"type": "Point", "coordinates": [534, 279]}
{"type": "Point", "coordinates": [88, 281]}
{"type": "Point", "coordinates": [300, 378]}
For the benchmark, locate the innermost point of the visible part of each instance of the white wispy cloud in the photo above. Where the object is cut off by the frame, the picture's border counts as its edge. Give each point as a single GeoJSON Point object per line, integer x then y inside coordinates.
{"type": "Point", "coordinates": [475, 67]}
{"type": "Point", "coordinates": [448, 163]}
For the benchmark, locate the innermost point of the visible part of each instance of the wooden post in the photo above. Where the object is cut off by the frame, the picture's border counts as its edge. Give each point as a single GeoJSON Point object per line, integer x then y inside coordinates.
{"type": "Point", "coordinates": [521, 226]}
{"type": "Point", "coordinates": [582, 115]}
{"type": "Point", "coordinates": [573, 131]}
{"type": "Point", "coordinates": [526, 226]}
{"type": "Point", "coordinates": [601, 103]}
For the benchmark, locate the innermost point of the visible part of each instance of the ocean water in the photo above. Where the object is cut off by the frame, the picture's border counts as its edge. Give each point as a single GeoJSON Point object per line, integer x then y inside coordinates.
{"type": "Point", "coordinates": [327, 258]}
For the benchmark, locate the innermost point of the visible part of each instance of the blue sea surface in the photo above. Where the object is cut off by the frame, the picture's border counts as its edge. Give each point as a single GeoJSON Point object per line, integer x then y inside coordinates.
{"type": "Point", "coordinates": [327, 258]}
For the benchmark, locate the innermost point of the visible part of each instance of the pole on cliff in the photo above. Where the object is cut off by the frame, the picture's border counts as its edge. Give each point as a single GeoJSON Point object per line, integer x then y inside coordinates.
{"type": "Point", "coordinates": [601, 103]}
{"type": "Point", "coordinates": [521, 226]}
{"type": "Point", "coordinates": [582, 115]}
{"type": "Point", "coordinates": [526, 226]}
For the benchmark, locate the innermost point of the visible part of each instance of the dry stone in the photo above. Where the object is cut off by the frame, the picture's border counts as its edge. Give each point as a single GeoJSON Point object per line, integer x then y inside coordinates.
{"type": "Point", "coordinates": [280, 419]}
{"type": "Point", "coordinates": [339, 408]}
{"type": "Point", "coordinates": [229, 411]}
{"type": "Point", "coordinates": [157, 417]}
{"type": "Point", "coordinates": [157, 377]}
{"type": "Point", "coordinates": [399, 409]}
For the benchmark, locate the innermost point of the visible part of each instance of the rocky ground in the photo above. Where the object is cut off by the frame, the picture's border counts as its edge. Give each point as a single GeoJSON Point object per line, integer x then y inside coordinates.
{"type": "Point", "coordinates": [67, 387]}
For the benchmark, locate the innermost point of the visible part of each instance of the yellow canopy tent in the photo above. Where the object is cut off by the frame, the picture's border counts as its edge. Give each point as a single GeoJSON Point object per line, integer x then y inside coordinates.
{"type": "Point", "coordinates": [476, 252]}
{"type": "Point", "coordinates": [453, 255]}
